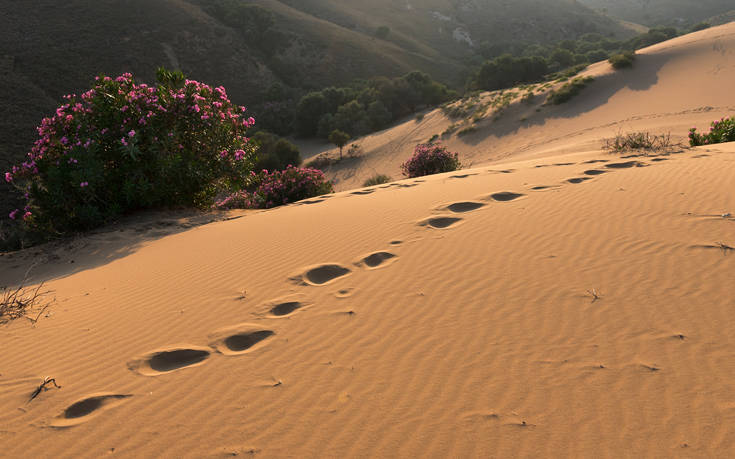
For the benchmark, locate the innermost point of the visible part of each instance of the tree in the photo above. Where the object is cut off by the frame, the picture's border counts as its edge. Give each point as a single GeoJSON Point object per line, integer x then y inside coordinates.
{"type": "Point", "coordinates": [340, 139]}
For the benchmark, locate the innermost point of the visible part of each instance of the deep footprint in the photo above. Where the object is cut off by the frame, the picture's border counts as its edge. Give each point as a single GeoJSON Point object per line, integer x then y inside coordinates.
{"type": "Point", "coordinates": [284, 309]}
{"type": "Point", "coordinates": [578, 179]}
{"type": "Point", "coordinates": [594, 172]}
{"type": "Point", "coordinates": [505, 196]}
{"type": "Point", "coordinates": [84, 409]}
{"type": "Point", "coordinates": [239, 339]}
{"type": "Point", "coordinates": [173, 360]}
{"type": "Point", "coordinates": [162, 362]}
{"type": "Point", "coordinates": [377, 259]}
{"type": "Point", "coordinates": [244, 341]}
{"type": "Point", "coordinates": [441, 222]}
{"type": "Point", "coordinates": [325, 274]}
{"type": "Point", "coordinates": [624, 165]}
{"type": "Point", "coordinates": [465, 206]}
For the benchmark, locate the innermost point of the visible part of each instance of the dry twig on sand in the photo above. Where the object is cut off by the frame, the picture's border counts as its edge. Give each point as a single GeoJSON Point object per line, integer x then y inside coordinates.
{"type": "Point", "coordinates": [594, 294]}
{"type": "Point", "coordinates": [21, 301]}
{"type": "Point", "coordinates": [42, 387]}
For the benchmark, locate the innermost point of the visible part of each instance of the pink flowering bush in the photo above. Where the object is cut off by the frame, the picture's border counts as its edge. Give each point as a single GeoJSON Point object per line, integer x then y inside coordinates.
{"type": "Point", "coordinates": [722, 130]}
{"type": "Point", "coordinates": [124, 145]}
{"type": "Point", "coordinates": [430, 158]}
{"type": "Point", "coordinates": [271, 189]}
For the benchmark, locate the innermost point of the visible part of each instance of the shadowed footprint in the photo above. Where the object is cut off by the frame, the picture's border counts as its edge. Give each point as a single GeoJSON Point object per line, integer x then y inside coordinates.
{"type": "Point", "coordinates": [542, 187]}
{"type": "Point", "coordinates": [287, 308]}
{"type": "Point", "coordinates": [578, 179]}
{"type": "Point", "coordinates": [377, 260]}
{"type": "Point", "coordinates": [363, 192]}
{"type": "Point", "coordinates": [624, 165]}
{"type": "Point", "coordinates": [461, 176]}
{"type": "Point", "coordinates": [464, 206]}
{"type": "Point", "coordinates": [440, 222]}
{"type": "Point", "coordinates": [595, 161]}
{"type": "Point", "coordinates": [87, 408]}
{"type": "Point", "coordinates": [660, 159]}
{"type": "Point", "coordinates": [595, 172]}
{"type": "Point", "coordinates": [505, 196]}
{"type": "Point", "coordinates": [239, 339]}
{"type": "Point", "coordinates": [321, 274]}
{"type": "Point", "coordinates": [166, 361]}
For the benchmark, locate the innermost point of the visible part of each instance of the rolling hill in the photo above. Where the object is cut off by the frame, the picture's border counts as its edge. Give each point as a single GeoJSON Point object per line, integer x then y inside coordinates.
{"type": "Point", "coordinates": [679, 13]}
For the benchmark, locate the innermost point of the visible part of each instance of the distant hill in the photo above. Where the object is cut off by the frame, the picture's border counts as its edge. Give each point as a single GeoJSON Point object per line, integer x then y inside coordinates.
{"type": "Point", "coordinates": [49, 48]}
{"type": "Point", "coordinates": [680, 13]}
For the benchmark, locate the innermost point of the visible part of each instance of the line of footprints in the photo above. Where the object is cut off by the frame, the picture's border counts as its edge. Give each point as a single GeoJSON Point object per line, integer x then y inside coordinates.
{"type": "Point", "coordinates": [244, 338]}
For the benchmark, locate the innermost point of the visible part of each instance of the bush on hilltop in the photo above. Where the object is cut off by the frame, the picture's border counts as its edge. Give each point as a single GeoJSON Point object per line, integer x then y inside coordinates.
{"type": "Point", "coordinates": [430, 158]}
{"type": "Point", "coordinates": [722, 130]}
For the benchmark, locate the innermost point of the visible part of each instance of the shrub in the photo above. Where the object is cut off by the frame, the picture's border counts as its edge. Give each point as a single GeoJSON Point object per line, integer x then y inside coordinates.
{"type": "Point", "coordinates": [622, 60]}
{"type": "Point", "coordinates": [430, 158]}
{"type": "Point", "coordinates": [377, 179]}
{"type": "Point", "coordinates": [638, 141]}
{"type": "Point", "coordinates": [123, 146]}
{"type": "Point", "coordinates": [568, 91]}
{"type": "Point", "coordinates": [274, 152]}
{"type": "Point", "coordinates": [272, 189]}
{"type": "Point", "coordinates": [466, 131]}
{"type": "Point", "coordinates": [722, 130]}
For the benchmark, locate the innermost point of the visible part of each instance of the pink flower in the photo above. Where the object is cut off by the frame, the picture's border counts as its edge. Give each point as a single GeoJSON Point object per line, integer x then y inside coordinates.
{"type": "Point", "coordinates": [131, 133]}
{"type": "Point", "coordinates": [223, 153]}
{"type": "Point", "coordinates": [8, 177]}
{"type": "Point", "coordinates": [14, 214]}
{"type": "Point", "coordinates": [84, 184]}
{"type": "Point", "coordinates": [124, 142]}
{"type": "Point", "coordinates": [239, 154]}
{"type": "Point", "coordinates": [27, 215]}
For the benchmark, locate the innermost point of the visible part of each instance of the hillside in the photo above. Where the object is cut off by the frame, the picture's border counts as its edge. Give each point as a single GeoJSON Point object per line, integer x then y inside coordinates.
{"type": "Point", "coordinates": [53, 48]}
{"type": "Point", "coordinates": [679, 13]}
{"type": "Point", "coordinates": [500, 127]}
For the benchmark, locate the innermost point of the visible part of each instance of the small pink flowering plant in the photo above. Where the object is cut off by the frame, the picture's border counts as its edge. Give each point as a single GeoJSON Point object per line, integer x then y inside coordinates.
{"type": "Point", "coordinates": [124, 145]}
{"type": "Point", "coordinates": [276, 188]}
{"type": "Point", "coordinates": [722, 130]}
{"type": "Point", "coordinates": [430, 158]}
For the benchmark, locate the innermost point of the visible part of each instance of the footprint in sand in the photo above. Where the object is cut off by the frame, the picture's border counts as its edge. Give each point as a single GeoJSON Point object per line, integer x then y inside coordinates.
{"type": "Point", "coordinates": [168, 360]}
{"type": "Point", "coordinates": [594, 172]}
{"type": "Point", "coordinates": [440, 222]}
{"type": "Point", "coordinates": [464, 206]}
{"type": "Point", "coordinates": [504, 196]}
{"type": "Point", "coordinates": [625, 165]}
{"type": "Point", "coordinates": [461, 176]}
{"type": "Point", "coordinates": [595, 161]}
{"type": "Point", "coordinates": [286, 309]}
{"type": "Point", "coordinates": [578, 179]}
{"type": "Point", "coordinates": [363, 192]}
{"type": "Point", "coordinates": [87, 408]}
{"type": "Point", "coordinates": [660, 159]}
{"type": "Point", "coordinates": [239, 339]}
{"type": "Point", "coordinates": [542, 187]}
{"type": "Point", "coordinates": [376, 260]}
{"type": "Point", "coordinates": [321, 274]}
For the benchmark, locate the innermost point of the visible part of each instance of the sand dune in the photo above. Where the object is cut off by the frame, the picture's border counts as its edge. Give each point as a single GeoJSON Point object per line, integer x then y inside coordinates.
{"type": "Point", "coordinates": [567, 303]}
{"type": "Point", "coordinates": [672, 87]}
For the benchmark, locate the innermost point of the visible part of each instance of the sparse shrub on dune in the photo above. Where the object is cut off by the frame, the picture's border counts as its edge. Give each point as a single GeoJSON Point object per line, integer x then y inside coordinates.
{"type": "Point", "coordinates": [722, 130]}
{"type": "Point", "coordinates": [124, 146]}
{"type": "Point", "coordinates": [622, 60]}
{"type": "Point", "coordinates": [377, 179]}
{"type": "Point", "coordinates": [568, 90]}
{"type": "Point", "coordinates": [430, 158]}
{"type": "Point", "coordinates": [271, 189]}
{"type": "Point", "coordinates": [639, 141]}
